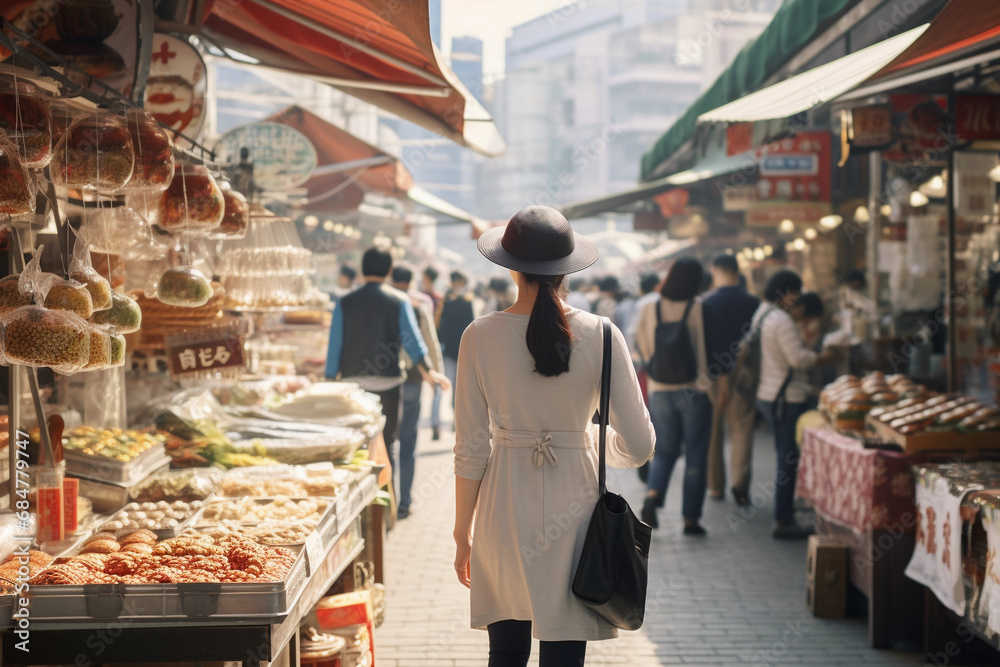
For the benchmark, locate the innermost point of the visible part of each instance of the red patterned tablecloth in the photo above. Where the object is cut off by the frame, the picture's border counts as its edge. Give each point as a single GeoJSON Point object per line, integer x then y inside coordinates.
{"type": "Point", "coordinates": [863, 489]}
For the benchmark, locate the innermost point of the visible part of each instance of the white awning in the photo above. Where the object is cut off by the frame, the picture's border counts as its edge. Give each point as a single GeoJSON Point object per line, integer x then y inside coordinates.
{"type": "Point", "coordinates": [815, 87]}
{"type": "Point", "coordinates": [618, 201]}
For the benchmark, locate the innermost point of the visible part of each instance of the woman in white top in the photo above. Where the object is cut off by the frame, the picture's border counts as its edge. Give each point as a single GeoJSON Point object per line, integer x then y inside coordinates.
{"type": "Point", "coordinates": [783, 389]}
{"type": "Point", "coordinates": [525, 458]}
{"type": "Point", "coordinates": [681, 411]}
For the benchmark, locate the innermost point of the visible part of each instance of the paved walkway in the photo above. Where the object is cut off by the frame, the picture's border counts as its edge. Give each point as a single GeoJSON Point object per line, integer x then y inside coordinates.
{"type": "Point", "coordinates": [736, 597]}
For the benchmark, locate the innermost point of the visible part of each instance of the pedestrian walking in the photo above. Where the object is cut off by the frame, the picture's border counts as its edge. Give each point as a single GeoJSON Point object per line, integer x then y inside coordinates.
{"type": "Point", "coordinates": [732, 309]}
{"type": "Point", "coordinates": [455, 312]}
{"type": "Point", "coordinates": [671, 335]}
{"type": "Point", "coordinates": [525, 455]}
{"type": "Point", "coordinates": [783, 389]}
{"type": "Point", "coordinates": [428, 280]}
{"type": "Point", "coordinates": [423, 309]}
{"type": "Point", "coordinates": [370, 327]}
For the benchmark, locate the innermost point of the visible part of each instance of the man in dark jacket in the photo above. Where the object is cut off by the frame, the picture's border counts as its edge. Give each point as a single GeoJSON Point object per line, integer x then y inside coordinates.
{"type": "Point", "coordinates": [454, 314]}
{"type": "Point", "coordinates": [370, 327]}
{"type": "Point", "coordinates": [731, 308]}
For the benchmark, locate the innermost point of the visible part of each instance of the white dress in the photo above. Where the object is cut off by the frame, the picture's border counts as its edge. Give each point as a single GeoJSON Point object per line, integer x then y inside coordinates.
{"type": "Point", "coordinates": [529, 439]}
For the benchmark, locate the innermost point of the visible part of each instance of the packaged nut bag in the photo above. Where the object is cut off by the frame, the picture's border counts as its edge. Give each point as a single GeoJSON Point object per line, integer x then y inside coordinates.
{"type": "Point", "coordinates": [184, 286]}
{"type": "Point", "coordinates": [124, 316]}
{"type": "Point", "coordinates": [53, 291]}
{"type": "Point", "coordinates": [37, 336]}
{"type": "Point", "coordinates": [81, 270]}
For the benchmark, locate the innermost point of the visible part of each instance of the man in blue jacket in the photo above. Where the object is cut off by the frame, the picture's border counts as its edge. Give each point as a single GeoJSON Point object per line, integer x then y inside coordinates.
{"type": "Point", "coordinates": [370, 327]}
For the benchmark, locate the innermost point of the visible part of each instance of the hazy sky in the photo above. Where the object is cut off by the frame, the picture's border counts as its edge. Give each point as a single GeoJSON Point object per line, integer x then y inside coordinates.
{"type": "Point", "coordinates": [490, 21]}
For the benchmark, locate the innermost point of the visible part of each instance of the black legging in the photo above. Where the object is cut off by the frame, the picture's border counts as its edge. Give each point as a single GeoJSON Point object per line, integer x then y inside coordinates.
{"type": "Point", "coordinates": [510, 646]}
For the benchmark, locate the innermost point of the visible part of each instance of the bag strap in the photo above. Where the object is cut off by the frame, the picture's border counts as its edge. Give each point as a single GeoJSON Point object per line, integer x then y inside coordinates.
{"type": "Point", "coordinates": [659, 320]}
{"type": "Point", "coordinates": [687, 309]}
{"type": "Point", "coordinates": [603, 406]}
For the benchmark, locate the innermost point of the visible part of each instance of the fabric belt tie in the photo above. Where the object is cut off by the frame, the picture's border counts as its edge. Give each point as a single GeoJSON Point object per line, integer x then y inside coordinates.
{"type": "Point", "coordinates": [542, 445]}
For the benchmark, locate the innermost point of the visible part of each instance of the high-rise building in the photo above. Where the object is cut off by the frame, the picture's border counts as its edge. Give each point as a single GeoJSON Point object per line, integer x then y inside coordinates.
{"type": "Point", "coordinates": [590, 86]}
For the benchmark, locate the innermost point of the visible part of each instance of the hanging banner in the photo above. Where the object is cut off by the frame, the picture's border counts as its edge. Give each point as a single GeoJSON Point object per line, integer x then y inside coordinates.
{"type": "Point", "coordinates": [794, 181]}
{"type": "Point", "coordinates": [176, 88]}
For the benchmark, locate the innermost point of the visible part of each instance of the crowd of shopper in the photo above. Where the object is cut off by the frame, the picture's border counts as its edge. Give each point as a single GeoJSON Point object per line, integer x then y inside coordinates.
{"type": "Point", "coordinates": [712, 360]}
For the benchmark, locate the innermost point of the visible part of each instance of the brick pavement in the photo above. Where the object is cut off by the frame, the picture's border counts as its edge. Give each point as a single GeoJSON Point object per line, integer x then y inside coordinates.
{"type": "Point", "coordinates": [736, 597]}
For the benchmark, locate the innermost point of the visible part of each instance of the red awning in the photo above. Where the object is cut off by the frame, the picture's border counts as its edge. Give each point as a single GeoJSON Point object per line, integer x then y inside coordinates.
{"type": "Point", "coordinates": [379, 52]}
{"type": "Point", "coordinates": [962, 28]}
{"type": "Point", "coordinates": [335, 146]}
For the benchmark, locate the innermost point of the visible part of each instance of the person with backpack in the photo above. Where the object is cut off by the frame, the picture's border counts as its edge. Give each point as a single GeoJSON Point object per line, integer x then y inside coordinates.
{"type": "Point", "coordinates": [782, 389]}
{"type": "Point", "coordinates": [732, 308]}
{"type": "Point", "coordinates": [454, 313]}
{"type": "Point", "coordinates": [671, 338]}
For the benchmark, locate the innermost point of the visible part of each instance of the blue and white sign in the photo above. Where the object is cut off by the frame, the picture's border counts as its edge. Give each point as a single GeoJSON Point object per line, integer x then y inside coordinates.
{"type": "Point", "coordinates": [789, 165]}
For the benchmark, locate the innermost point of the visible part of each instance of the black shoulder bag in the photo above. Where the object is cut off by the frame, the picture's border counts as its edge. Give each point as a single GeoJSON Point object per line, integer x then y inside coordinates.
{"type": "Point", "coordinates": [674, 360]}
{"type": "Point", "coordinates": [613, 571]}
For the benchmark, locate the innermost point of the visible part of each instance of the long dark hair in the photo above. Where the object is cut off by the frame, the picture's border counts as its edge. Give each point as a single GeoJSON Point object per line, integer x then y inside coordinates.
{"type": "Point", "coordinates": [549, 336]}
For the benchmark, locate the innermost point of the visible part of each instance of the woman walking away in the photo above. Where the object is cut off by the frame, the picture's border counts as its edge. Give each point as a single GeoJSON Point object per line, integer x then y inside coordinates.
{"type": "Point", "coordinates": [671, 336]}
{"type": "Point", "coordinates": [525, 458]}
{"type": "Point", "coordinates": [783, 389]}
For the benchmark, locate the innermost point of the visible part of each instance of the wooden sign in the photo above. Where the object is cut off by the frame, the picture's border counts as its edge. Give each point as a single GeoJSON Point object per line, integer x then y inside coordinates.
{"type": "Point", "coordinates": [208, 351]}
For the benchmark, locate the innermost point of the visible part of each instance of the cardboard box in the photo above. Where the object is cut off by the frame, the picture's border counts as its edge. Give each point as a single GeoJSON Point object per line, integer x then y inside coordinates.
{"type": "Point", "coordinates": [826, 577]}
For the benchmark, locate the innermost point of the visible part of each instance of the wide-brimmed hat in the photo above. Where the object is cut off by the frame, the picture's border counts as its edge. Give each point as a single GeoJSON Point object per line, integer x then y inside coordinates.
{"type": "Point", "coordinates": [538, 240]}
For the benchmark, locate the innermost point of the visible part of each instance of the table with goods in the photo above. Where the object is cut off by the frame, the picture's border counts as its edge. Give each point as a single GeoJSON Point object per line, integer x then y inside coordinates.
{"type": "Point", "coordinates": [167, 499]}
{"type": "Point", "coordinates": [856, 470]}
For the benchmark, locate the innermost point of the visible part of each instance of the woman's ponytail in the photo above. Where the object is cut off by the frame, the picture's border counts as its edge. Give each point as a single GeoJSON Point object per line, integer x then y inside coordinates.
{"type": "Point", "coordinates": [549, 336]}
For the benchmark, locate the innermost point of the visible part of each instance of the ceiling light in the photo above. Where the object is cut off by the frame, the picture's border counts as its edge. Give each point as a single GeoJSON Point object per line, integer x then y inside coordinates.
{"type": "Point", "coordinates": [338, 228]}
{"type": "Point", "coordinates": [758, 254]}
{"type": "Point", "coordinates": [995, 174]}
{"type": "Point", "coordinates": [799, 244]}
{"type": "Point", "coordinates": [918, 199]}
{"type": "Point", "coordinates": [811, 234]}
{"type": "Point", "coordinates": [830, 221]}
{"type": "Point", "coordinates": [310, 222]}
{"type": "Point", "coordinates": [769, 250]}
{"type": "Point", "coordinates": [786, 227]}
{"type": "Point", "coordinates": [886, 210]}
{"type": "Point", "coordinates": [328, 225]}
{"type": "Point", "coordinates": [935, 187]}
{"type": "Point", "coordinates": [861, 215]}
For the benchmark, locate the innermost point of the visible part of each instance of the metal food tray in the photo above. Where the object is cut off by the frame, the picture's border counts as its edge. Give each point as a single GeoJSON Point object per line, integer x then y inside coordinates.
{"type": "Point", "coordinates": [112, 496]}
{"type": "Point", "coordinates": [109, 470]}
{"type": "Point", "coordinates": [169, 601]}
{"type": "Point", "coordinates": [327, 528]}
{"type": "Point", "coordinates": [161, 533]}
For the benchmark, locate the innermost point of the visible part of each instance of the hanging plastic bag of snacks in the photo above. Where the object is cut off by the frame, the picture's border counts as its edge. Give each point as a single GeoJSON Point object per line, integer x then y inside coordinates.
{"type": "Point", "coordinates": [124, 316]}
{"type": "Point", "coordinates": [25, 121]}
{"type": "Point", "coordinates": [184, 286]}
{"type": "Point", "coordinates": [193, 203]}
{"type": "Point", "coordinates": [55, 292]}
{"type": "Point", "coordinates": [154, 153]}
{"type": "Point", "coordinates": [37, 336]}
{"type": "Point", "coordinates": [11, 296]}
{"type": "Point", "coordinates": [100, 349]}
{"type": "Point", "coordinates": [81, 270]}
{"type": "Point", "coordinates": [17, 186]}
{"type": "Point", "coordinates": [95, 153]}
{"type": "Point", "coordinates": [236, 218]}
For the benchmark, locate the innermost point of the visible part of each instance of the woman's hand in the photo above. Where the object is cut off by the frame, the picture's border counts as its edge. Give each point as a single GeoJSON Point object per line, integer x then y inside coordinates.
{"type": "Point", "coordinates": [463, 552]}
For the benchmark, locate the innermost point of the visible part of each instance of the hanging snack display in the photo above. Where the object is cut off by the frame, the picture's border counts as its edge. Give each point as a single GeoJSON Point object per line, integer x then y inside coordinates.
{"type": "Point", "coordinates": [124, 315]}
{"type": "Point", "coordinates": [100, 350]}
{"type": "Point", "coordinates": [11, 296]}
{"type": "Point", "coordinates": [96, 284]}
{"type": "Point", "coordinates": [117, 351]}
{"type": "Point", "coordinates": [236, 218]}
{"type": "Point", "coordinates": [154, 152]}
{"type": "Point", "coordinates": [69, 295]}
{"type": "Point", "coordinates": [184, 286]}
{"type": "Point", "coordinates": [36, 336]}
{"type": "Point", "coordinates": [95, 153]}
{"type": "Point", "coordinates": [26, 123]}
{"type": "Point", "coordinates": [192, 203]}
{"type": "Point", "coordinates": [17, 187]}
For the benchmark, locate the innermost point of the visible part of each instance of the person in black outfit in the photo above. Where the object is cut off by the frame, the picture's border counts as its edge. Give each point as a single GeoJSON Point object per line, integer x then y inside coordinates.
{"type": "Point", "coordinates": [454, 314]}
{"type": "Point", "coordinates": [370, 327]}
{"type": "Point", "coordinates": [731, 308]}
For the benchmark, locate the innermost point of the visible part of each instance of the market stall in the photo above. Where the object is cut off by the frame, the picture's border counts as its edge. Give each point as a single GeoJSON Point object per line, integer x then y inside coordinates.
{"type": "Point", "coordinates": [179, 483]}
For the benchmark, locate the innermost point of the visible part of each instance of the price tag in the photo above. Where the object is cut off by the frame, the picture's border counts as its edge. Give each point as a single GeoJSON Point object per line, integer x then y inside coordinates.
{"type": "Point", "coordinates": [315, 553]}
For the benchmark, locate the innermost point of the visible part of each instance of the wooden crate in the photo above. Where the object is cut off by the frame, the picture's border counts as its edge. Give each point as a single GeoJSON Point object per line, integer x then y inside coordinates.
{"type": "Point", "coordinates": [925, 442]}
{"type": "Point", "coordinates": [826, 577]}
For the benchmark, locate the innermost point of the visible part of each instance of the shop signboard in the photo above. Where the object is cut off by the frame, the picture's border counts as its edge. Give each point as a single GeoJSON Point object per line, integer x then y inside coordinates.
{"type": "Point", "coordinates": [738, 197]}
{"type": "Point", "coordinates": [739, 138]}
{"type": "Point", "coordinates": [919, 125]}
{"type": "Point", "coordinates": [207, 351]}
{"type": "Point", "coordinates": [977, 117]}
{"type": "Point", "coordinates": [794, 181]}
{"type": "Point", "coordinates": [177, 86]}
{"type": "Point", "coordinates": [871, 128]}
{"type": "Point", "coordinates": [282, 156]}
